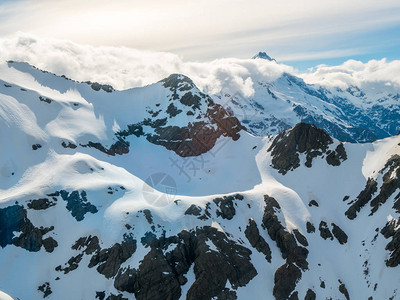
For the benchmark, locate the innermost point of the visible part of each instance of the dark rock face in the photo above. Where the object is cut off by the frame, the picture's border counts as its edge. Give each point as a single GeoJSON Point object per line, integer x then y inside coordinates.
{"type": "Point", "coordinates": [256, 240]}
{"type": "Point", "coordinates": [119, 147]}
{"type": "Point", "coordinates": [335, 158]}
{"type": "Point", "coordinates": [396, 204]}
{"type": "Point", "coordinates": [178, 82]}
{"type": "Point", "coordinates": [324, 231]}
{"type": "Point", "coordinates": [36, 146]}
{"type": "Point", "coordinates": [285, 241]}
{"type": "Point", "coordinates": [153, 280]}
{"type": "Point", "coordinates": [226, 206]}
{"type": "Point", "coordinates": [97, 86]}
{"type": "Point", "coordinates": [310, 227]}
{"type": "Point", "coordinates": [39, 204]}
{"type": "Point", "coordinates": [394, 245]}
{"type": "Point", "coordinates": [285, 280]}
{"type": "Point", "coordinates": [300, 238]}
{"type": "Point", "coordinates": [199, 136]}
{"type": "Point", "coordinates": [45, 289]}
{"type": "Point", "coordinates": [116, 297]}
{"type": "Point", "coordinates": [148, 216]}
{"type": "Point", "coordinates": [193, 210]}
{"type": "Point", "coordinates": [303, 138]}
{"type": "Point", "coordinates": [339, 234]}
{"type": "Point", "coordinates": [109, 260]}
{"type": "Point", "coordinates": [363, 198]}
{"type": "Point", "coordinates": [44, 99]}
{"type": "Point", "coordinates": [77, 204]}
{"type": "Point", "coordinates": [343, 290]}
{"type": "Point", "coordinates": [14, 219]}
{"type": "Point", "coordinates": [69, 145]}
{"type": "Point", "coordinates": [294, 296]}
{"type": "Point", "coordinates": [49, 244]}
{"type": "Point", "coordinates": [310, 295]}
{"type": "Point", "coordinates": [172, 110]}
{"type": "Point", "coordinates": [72, 264]}
{"type": "Point", "coordinates": [391, 182]}
{"type": "Point", "coordinates": [88, 244]}
{"type": "Point", "coordinates": [161, 273]}
{"type": "Point", "coordinates": [289, 274]}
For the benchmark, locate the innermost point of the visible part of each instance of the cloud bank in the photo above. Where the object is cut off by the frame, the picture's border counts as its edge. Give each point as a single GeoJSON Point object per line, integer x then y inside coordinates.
{"type": "Point", "coordinates": [356, 73]}
{"type": "Point", "coordinates": [126, 68]}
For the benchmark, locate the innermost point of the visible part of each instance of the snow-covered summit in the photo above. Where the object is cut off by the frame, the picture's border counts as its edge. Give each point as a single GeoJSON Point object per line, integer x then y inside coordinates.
{"type": "Point", "coordinates": [263, 55]}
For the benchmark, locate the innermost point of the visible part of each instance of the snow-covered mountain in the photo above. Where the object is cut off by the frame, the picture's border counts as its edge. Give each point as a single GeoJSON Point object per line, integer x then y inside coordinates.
{"type": "Point", "coordinates": [353, 114]}
{"type": "Point", "coordinates": [159, 192]}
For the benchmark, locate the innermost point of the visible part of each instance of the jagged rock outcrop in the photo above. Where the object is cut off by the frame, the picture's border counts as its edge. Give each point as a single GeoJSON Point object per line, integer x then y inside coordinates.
{"type": "Point", "coordinates": [256, 240]}
{"type": "Point", "coordinates": [45, 289]}
{"type": "Point", "coordinates": [226, 206]}
{"type": "Point", "coordinates": [77, 203]}
{"type": "Point", "coordinates": [310, 295]}
{"type": "Point", "coordinates": [392, 230]}
{"type": "Point", "coordinates": [324, 231]}
{"type": "Point", "coordinates": [391, 182]}
{"type": "Point", "coordinates": [336, 157]}
{"type": "Point", "coordinates": [119, 147]}
{"type": "Point", "coordinates": [289, 274]}
{"type": "Point", "coordinates": [16, 229]}
{"type": "Point", "coordinates": [303, 138]}
{"type": "Point", "coordinates": [310, 227]}
{"type": "Point", "coordinates": [339, 234]}
{"type": "Point", "coordinates": [194, 210]}
{"type": "Point", "coordinates": [362, 199]}
{"type": "Point", "coordinates": [285, 279]}
{"type": "Point", "coordinates": [108, 261]}
{"type": "Point", "coordinates": [343, 290]}
{"type": "Point", "coordinates": [208, 121]}
{"type": "Point", "coordinates": [41, 203]}
{"type": "Point", "coordinates": [216, 260]}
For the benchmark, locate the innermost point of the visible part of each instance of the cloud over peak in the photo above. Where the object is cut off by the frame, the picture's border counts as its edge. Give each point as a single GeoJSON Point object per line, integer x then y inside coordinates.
{"type": "Point", "coordinates": [124, 67]}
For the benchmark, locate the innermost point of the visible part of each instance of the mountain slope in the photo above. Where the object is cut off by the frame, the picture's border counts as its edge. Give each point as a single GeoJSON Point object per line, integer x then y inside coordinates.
{"type": "Point", "coordinates": [292, 216]}
{"type": "Point", "coordinates": [353, 114]}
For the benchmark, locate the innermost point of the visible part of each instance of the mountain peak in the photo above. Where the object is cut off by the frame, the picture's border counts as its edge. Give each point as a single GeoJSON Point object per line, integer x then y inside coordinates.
{"type": "Point", "coordinates": [303, 138]}
{"type": "Point", "coordinates": [263, 55]}
{"type": "Point", "coordinates": [178, 81]}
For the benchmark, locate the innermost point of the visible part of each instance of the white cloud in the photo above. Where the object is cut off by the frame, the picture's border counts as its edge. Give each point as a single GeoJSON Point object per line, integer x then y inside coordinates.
{"type": "Point", "coordinates": [125, 68]}
{"type": "Point", "coordinates": [356, 73]}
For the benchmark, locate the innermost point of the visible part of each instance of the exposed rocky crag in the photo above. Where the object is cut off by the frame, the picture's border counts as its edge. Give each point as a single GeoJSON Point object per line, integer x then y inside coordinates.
{"type": "Point", "coordinates": [288, 274]}
{"type": "Point", "coordinates": [207, 121]}
{"type": "Point", "coordinates": [303, 139]}
{"type": "Point", "coordinates": [16, 229]}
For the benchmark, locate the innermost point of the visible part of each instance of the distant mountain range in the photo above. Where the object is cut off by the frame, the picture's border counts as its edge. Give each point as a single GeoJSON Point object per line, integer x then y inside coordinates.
{"type": "Point", "coordinates": [353, 114]}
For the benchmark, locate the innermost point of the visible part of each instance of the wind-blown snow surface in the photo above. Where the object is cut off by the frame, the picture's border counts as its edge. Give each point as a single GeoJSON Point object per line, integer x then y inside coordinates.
{"type": "Point", "coordinates": [56, 189]}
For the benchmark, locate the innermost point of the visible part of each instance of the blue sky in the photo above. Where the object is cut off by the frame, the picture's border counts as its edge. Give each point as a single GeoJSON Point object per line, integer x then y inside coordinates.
{"type": "Point", "coordinates": [301, 33]}
{"type": "Point", "coordinates": [373, 44]}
